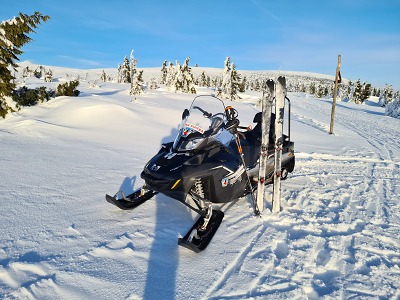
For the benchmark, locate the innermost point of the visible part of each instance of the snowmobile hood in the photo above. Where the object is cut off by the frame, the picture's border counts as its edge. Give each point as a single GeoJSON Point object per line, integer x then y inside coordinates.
{"type": "Point", "coordinates": [203, 124]}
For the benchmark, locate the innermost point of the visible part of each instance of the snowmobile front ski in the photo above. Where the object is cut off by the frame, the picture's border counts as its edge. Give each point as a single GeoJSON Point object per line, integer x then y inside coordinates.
{"type": "Point", "coordinates": [201, 233]}
{"type": "Point", "coordinates": [131, 201]}
{"type": "Point", "coordinates": [265, 128]}
{"type": "Point", "coordinates": [280, 95]}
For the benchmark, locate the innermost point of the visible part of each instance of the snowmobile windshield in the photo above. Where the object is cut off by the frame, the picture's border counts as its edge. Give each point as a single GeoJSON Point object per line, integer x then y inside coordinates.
{"type": "Point", "coordinates": [202, 125]}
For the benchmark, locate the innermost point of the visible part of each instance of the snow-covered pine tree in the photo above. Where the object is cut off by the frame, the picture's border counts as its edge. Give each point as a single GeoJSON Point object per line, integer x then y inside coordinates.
{"type": "Point", "coordinates": [365, 91]}
{"type": "Point", "coordinates": [136, 78]}
{"type": "Point", "coordinates": [164, 73]}
{"type": "Point", "coordinates": [202, 79]}
{"type": "Point", "coordinates": [132, 65]}
{"type": "Point", "coordinates": [386, 96]}
{"type": "Point", "coordinates": [137, 84]}
{"type": "Point", "coordinates": [177, 84]}
{"type": "Point", "coordinates": [180, 78]}
{"type": "Point", "coordinates": [171, 74]}
{"type": "Point", "coordinates": [357, 93]}
{"type": "Point", "coordinates": [119, 74]}
{"type": "Point", "coordinates": [224, 90]}
{"type": "Point", "coordinates": [187, 76]}
{"type": "Point", "coordinates": [312, 88]}
{"type": "Point", "coordinates": [48, 77]}
{"type": "Point", "coordinates": [392, 108]}
{"type": "Point", "coordinates": [125, 71]}
{"type": "Point", "coordinates": [13, 35]}
{"type": "Point", "coordinates": [152, 84]}
{"type": "Point", "coordinates": [242, 85]}
{"type": "Point", "coordinates": [235, 83]}
{"type": "Point", "coordinates": [230, 81]}
{"type": "Point", "coordinates": [103, 76]}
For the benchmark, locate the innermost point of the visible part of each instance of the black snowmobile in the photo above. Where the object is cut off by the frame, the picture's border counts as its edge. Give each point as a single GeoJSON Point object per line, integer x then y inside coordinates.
{"type": "Point", "coordinates": [212, 160]}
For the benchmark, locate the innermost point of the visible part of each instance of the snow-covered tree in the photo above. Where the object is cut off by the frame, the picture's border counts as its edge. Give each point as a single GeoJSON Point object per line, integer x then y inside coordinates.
{"type": "Point", "coordinates": [152, 84]}
{"type": "Point", "coordinates": [164, 72]}
{"type": "Point", "coordinates": [357, 93]}
{"type": "Point", "coordinates": [187, 76]}
{"type": "Point", "coordinates": [13, 35]}
{"type": "Point", "coordinates": [386, 96]}
{"type": "Point", "coordinates": [137, 84]}
{"type": "Point", "coordinates": [132, 66]}
{"type": "Point", "coordinates": [202, 80]}
{"type": "Point", "coordinates": [180, 77]}
{"type": "Point", "coordinates": [392, 108]}
{"type": "Point", "coordinates": [119, 74]}
{"type": "Point", "coordinates": [171, 74]}
{"type": "Point", "coordinates": [103, 76]}
{"type": "Point", "coordinates": [365, 91]}
{"type": "Point", "coordinates": [230, 82]}
{"type": "Point", "coordinates": [48, 77]}
{"type": "Point", "coordinates": [125, 71]}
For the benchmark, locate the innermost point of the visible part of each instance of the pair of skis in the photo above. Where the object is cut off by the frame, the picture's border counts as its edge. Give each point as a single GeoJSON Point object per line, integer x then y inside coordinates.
{"type": "Point", "coordinates": [279, 89]}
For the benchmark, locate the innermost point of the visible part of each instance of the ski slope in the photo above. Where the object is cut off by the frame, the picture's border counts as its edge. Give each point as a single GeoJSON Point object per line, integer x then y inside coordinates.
{"type": "Point", "coordinates": [337, 236]}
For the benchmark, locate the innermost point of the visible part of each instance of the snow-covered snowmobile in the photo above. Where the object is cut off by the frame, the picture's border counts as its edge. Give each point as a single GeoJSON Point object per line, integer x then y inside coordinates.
{"type": "Point", "coordinates": [212, 160]}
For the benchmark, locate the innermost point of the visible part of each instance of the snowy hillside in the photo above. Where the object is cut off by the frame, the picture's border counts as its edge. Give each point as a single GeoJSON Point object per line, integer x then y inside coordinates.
{"type": "Point", "coordinates": [337, 236]}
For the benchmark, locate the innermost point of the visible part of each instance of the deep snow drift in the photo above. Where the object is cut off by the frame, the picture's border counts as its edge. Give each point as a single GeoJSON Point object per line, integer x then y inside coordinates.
{"type": "Point", "coordinates": [337, 236]}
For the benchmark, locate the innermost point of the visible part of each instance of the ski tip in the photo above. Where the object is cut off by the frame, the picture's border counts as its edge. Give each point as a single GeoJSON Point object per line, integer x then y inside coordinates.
{"type": "Point", "coordinates": [189, 245]}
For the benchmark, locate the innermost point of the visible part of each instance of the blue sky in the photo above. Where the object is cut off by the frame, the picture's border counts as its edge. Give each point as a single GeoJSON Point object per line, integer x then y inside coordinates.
{"type": "Point", "coordinates": [256, 34]}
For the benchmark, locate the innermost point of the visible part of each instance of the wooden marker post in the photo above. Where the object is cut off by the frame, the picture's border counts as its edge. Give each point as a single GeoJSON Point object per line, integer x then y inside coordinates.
{"type": "Point", "coordinates": [338, 79]}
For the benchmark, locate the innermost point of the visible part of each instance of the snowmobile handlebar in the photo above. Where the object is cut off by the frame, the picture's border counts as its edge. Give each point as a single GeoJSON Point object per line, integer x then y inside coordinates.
{"type": "Point", "coordinates": [231, 113]}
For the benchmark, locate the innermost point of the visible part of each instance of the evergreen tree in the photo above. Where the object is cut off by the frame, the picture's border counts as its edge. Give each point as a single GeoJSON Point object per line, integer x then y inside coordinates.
{"type": "Point", "coordinates": [136, 78]}
{"type": "Point", "coordinates": [171, 74]}
{"type": "Point", "coordinates": [164, 72]}
{"type": "Point", "coordinates": [230, 82]}
{"type": "Point", "coordinates": [357, 93]}
{"type": "Point", "coordinates": [365, 91]}
{"type": "Point", "coordinates": [137, 84]}
{"type": "Point", "coordinates": [103, 76]}
{"type": "Point", "coordinates": [242, 85]}
{"type": "Point", "coordinates": [126, 71]}
{"type": "Point", "coordinates": [132, 66]}
{"type": "Point", "coordinates": [119, 74]}
{"type": "Point", "coordinates": [203, 79]}
{"type": "Point", "coordinates": [187, 76]}
{"type": "Point", "coordinates": [312, 88]}
{"type": "Point", "coordinates": [13, 35]}
{"type": "Point", "coordinates": [152, 84]}
{"type": "Point", "coordinates": [48, 77]}
{"type": "Point", "coordinates": [392, 108]}
{"type": "Point", "coordinates": [386, 96]}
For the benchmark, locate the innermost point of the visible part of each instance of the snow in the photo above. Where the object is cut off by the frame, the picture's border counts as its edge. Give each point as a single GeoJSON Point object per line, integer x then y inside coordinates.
{"type": "Point", "coordinates": [337, 236]}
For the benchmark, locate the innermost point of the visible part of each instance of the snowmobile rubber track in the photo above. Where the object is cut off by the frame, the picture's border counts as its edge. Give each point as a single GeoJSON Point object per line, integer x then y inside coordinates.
{"type": "Point", "coordinates": [198, 245]}
{"type": "Point", "coordinates": [135, 199]}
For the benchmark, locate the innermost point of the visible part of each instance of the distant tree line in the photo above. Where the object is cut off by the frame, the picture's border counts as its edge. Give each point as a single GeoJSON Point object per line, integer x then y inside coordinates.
{"type": "Point", "coordinates": [177, 78]}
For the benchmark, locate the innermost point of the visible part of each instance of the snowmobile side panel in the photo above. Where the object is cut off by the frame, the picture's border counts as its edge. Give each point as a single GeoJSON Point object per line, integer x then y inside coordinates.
{"type": "Point", "coordinates": [204, 236]}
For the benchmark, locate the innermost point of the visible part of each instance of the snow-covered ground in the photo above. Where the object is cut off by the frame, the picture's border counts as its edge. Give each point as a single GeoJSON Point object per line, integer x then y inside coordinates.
{"type": "Point", "coordinates": [337, 236]}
